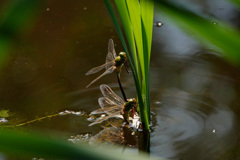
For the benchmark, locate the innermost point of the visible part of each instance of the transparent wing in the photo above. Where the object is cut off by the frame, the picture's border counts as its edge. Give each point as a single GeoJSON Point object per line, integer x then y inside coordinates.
{"type": "Point", "coordinates": [108, 106]}
{"type": "Point", "coordinates": [107, 92]}
{"type": "Point", "coordinates": [111, 51]}
{"type": "Point", "coordinates": [97, 69]}
{"type": "Point", "coordinates": [108, 71]}
{"type": "Point", "coordinates": [109, 110]}
{"type": "Point", "coordinates": [116, 114]}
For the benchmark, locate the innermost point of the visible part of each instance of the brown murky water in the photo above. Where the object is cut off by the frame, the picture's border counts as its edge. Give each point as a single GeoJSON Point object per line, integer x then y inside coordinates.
{"type": "Point", "coordinates": [194, 93]}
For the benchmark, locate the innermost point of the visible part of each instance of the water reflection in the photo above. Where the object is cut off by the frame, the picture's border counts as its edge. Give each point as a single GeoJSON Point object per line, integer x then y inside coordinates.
{"type": "Point", "coordinates": [193, 103]}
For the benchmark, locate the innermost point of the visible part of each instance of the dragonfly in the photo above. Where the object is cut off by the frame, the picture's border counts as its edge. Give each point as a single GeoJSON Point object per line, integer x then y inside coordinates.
{"type": "Point", "coordinates": [112, 105]}
{"type": "Point", "coordinates": [113, 62]}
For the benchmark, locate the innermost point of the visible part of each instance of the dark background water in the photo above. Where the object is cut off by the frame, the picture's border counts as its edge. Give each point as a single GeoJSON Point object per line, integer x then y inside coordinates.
{"type": "Point", "coordinates": [194, 92]}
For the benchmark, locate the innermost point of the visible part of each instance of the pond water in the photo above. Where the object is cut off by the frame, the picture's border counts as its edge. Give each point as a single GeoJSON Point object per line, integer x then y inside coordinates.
{"type": "Point", "coordinates": [194, 93]}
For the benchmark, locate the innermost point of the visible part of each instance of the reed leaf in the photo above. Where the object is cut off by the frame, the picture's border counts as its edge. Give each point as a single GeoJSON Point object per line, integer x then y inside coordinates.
{"type": "Point", "coordinates": [15, 18]}
{"type": "Point", "coordinates": [223, 36]}
{"type": "Point", "coordinates": [237, 2]}
{"type": "Point", "coordinates": [36, 145]}
{"type": "Point", "coordinates": [134, 64]}
{"type": "Point", "coordinates": [137, 19]}
{"type": "Point", "coordinates": [123, 11]}
{"type": "Point", "coordinates": [147, 13]}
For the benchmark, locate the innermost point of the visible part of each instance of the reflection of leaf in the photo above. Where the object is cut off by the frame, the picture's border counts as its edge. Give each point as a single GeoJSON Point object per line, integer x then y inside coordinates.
{"type": "Point", "coordinates": [4, 113]}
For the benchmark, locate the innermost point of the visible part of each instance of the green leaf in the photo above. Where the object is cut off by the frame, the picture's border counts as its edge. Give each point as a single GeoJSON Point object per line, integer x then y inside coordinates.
{"type": "Point", "coordinates": [125, 19]}
{"type": "Point", "coordinates": [36, 145]}
{"type": "Point", "coordinates": [135, 17]}
{"type": "Point", "coordinates": [16, 16]}
{"type": "Point", "coordinates": [126, 22]}
{"type": "Point", "coordinates": [237, 2]}
{"type": "Point", "coordinates": [224, 37]}
{"type": "Point", "coordinates": [137, 21]}
{"type": "Point", "coordinates": [147, 13]}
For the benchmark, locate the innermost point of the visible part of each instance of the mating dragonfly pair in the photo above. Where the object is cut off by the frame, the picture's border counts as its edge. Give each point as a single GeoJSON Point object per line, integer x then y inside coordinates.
{"type": "Point", "coordinates": [111, 104]}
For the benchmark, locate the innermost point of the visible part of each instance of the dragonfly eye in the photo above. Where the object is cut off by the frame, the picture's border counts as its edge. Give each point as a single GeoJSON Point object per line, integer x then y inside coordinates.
{"type": "Point", "coordinates": [132, 101]}
{"type": "Point", "coordinates": [123, 55]}
{"type": "Point", "coordinates": [118, 58]}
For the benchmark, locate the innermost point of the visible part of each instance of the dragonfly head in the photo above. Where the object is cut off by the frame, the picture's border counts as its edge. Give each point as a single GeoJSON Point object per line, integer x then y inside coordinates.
{"type": "Point", "coordinates": [123, 55]}
{"type": "Point", "coordinates": [132, 102]}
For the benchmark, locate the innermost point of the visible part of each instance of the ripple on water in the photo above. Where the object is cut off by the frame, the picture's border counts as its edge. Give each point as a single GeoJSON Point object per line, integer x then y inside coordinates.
{"type": "Point", "coordinates": [191, 128]}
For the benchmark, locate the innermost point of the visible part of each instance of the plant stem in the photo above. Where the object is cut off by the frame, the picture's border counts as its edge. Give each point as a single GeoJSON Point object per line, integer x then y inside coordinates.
{"type": "Point", "coordinates": [144, 141]}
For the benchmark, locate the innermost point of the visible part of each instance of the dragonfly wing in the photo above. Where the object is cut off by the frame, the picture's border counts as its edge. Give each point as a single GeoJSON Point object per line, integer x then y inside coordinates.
{"type": "Point", "coordinates": [115, 114]}
{"type": "Point", "coordinates": [108, 110]}
{"type": "Point", "coordinates": [108, 71]}
{"type": "Point", "coordinates": [108, 106]}
{"type": "Point", "coordinates": [97, 69]}
{"type": "Point", "coordinates": [105, 102]}
{"type": "Point", "coordinates": [111, 51]}
{"type": "Point", "coordinates": [98, 111]}
{"type": "Point", "coordinates": [107, 92]}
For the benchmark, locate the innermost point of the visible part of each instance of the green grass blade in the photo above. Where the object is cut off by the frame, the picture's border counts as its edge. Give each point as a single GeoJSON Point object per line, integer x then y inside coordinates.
{"type": "Point", "coordinates": [135, 17]}
{"type": "Point", "coordinates": [125, 19]}
{"type": "Point", "coordinates": [224, 37]}
{"type": "Point", "coordinates": [26, 144]}
{"type": "Point", "coordinates": [120, 34]}
{"type": "Point", "coordinates": [113, 16]}
{"type": "Point", "coordinates": [15, 18]}
{"type": "Point", "coordinates": [40, 146]}
{"type": "Point", "coordinates": [147, 13]}
{"type": "Point", "coordinates": [122, 6]}
{"type": "Point", "coordinates": [237, 2]}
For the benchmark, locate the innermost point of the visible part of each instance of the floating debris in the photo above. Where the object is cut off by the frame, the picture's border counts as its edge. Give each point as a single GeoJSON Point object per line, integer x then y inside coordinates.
{"type": "Point", "coordinates": [3, 120]}
{"type": "Point", "coordinates": [91, 118]}
{"type": "Point", "coordinates": [157, 102]}
{"type": "Point", "coordinates": [83, 138]}
{"type": "Point", "coordinates": [38, 159]}
{"type": "Point", "coordinates": [66, 112]}
{"type": "Point", "coordinates": [79, 113]}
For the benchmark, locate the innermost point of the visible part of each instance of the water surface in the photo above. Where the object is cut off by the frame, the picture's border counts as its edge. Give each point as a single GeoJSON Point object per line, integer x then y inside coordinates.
{"type": "Point", "coordinates": [194, 93]}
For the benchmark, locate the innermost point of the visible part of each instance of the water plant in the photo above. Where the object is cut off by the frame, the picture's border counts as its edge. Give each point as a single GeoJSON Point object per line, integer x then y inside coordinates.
{"type": "Point", "coordinates": [222, 35]}
{"type": "Point", "coordinates": [136, 19]}
{"type": "Point", "coordinates": [11, 26]}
